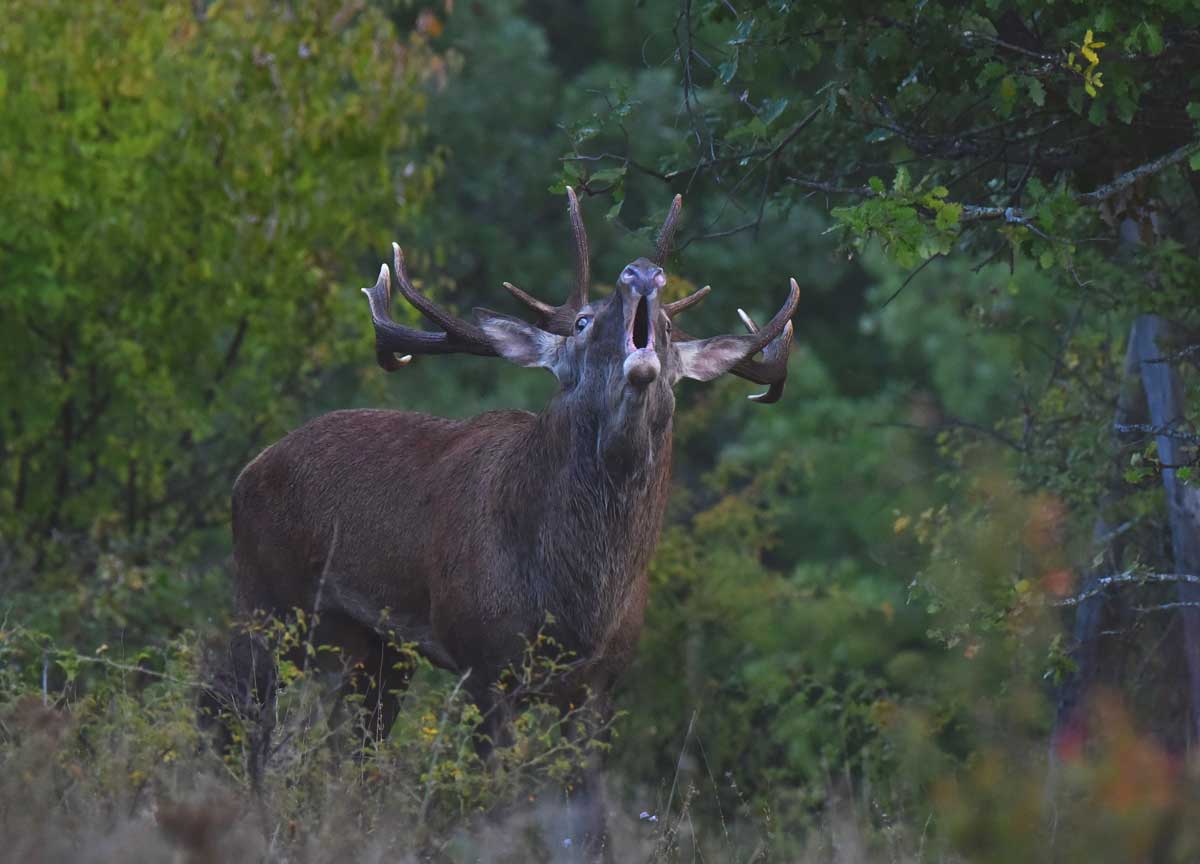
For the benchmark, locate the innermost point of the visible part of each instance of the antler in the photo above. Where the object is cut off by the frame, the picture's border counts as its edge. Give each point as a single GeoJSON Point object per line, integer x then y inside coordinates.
{"type": "Point", "coordinates": [666, 234]}
{"type": "Point", "coordinates": [774, 340]}
{"type": "Point", "coordinates": [560, 320]}
{"type": "Point", "coordinates": [666, 238]}
{"type": "Point", "coordinates": [772, 369]}
{"type": "Point", "coordinates": [458, 336]}
{"type": "Point", "coordinates": [673, 309]}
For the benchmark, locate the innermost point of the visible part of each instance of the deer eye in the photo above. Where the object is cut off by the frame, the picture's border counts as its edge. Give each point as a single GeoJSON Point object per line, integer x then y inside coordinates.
{"type": "Point", "coordinates": [582, 322]}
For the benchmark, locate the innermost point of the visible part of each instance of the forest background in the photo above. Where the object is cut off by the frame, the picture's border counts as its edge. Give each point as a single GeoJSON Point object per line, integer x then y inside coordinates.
{"type": "Point", "coordinates": [941, 602]}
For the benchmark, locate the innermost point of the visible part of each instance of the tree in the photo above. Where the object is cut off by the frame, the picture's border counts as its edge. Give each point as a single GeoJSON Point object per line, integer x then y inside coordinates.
{"type": "Point", "coordinates": [1057, 140]}
{"type": "Point", "coordinates": [185, 193]}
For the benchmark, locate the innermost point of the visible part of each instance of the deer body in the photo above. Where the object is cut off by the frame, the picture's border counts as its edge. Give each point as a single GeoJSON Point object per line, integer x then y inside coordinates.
{"type": "Point", "coordinates": [466, 532]}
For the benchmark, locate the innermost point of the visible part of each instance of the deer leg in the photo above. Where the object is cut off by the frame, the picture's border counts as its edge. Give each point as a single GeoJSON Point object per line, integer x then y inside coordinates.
{"type": "Point", "coordinates": [587, 807]}
{"type": "Point", "coordinates": [588, 811]}
{"type": "Point", "coordinates": [373, 675]}
{"type": "Point", "coordinates": [495, 708]}
{"type": "Point", "coordinates": [245, 688]}
{"type": "Point", "coordinates": [387, 677]}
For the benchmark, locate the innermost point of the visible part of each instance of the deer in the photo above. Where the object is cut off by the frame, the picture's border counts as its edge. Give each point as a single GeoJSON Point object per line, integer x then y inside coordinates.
{"type": "Point", "coordinates": [464, 537]}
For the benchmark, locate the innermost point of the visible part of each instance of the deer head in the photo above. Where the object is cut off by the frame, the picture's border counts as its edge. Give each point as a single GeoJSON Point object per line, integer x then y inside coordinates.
{"type": "Point", "coordinates": [619, 356]}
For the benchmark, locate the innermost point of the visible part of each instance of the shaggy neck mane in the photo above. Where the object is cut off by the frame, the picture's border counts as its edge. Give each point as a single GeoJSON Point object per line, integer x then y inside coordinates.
{"type": "Point", "coordinates": [589, 506]}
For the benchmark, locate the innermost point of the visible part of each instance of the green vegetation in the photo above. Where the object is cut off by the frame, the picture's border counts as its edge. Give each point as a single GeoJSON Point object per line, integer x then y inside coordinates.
{"type": "Point", "coordinates": [933, 605]}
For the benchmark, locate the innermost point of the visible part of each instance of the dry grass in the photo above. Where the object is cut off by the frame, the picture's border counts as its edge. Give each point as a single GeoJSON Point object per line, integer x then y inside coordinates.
{"type": "Point", "coordinates": [112, 767]}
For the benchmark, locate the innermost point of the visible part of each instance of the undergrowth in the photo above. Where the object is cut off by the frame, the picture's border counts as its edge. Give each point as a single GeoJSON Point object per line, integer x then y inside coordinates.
{"type": "Point", "coordinates": [102, 759]}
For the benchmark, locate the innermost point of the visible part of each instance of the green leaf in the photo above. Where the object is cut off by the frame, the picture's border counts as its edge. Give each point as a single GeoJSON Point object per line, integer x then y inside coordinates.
{"type": "Point", "coordinates": [728, 69]}
{"type": "Point", "coordinates": [1134, 476]}
{"type": "Point", "coordinates": [886, 45]}
{"type": "Point", "coordinates": [1037, 93]}
{"type": "Point", "coordinates": [1007, 95]}
{"type": "Point", "coordinates": [991, 71]}
{"type": "Point", "coordinates": [948, 216]}
{"type": "Point", "coordinates": [876, 185]}
{"type": "Point", "coordinates": [772, 108]}
{"type": "Point", "coordinates": [1075, 99]}
{"type": "Point", "coordinates": [1151, 38]}
{"type": "Point", "coordinates": [584, 132]}
{"type": "Point", "coordinates": [1125, 100]}
{"type": "Point", "coordinates": [1046, 259]}
{"type": "Point", "coordinates": [744, 28]}
{"type": "Point", "coordinates": [1194, 161]}
{"type": "Point", "coordinates": [608, 175]}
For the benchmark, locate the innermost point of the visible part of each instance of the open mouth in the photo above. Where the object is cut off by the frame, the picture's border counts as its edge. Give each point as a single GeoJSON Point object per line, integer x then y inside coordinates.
{"type": "Point", "coordinates": [641, 363]}
{"type": "Point", "coordinates": [640, 332]}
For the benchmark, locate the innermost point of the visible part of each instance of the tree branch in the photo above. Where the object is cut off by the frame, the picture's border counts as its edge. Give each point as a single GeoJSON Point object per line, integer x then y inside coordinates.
{"type": "Point", "coordinates": [1018, 215]}
{"type": "Point", "coordinates": [1127, 577]}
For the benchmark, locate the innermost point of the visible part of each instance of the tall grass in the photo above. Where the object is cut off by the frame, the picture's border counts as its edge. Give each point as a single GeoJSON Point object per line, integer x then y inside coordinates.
{"type": "Point", "coordinates": [102, 759]}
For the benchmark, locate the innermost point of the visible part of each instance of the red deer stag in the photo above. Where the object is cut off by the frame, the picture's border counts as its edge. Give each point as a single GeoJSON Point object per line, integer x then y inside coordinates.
{"type": "Point", "coordinates": [463, 536]}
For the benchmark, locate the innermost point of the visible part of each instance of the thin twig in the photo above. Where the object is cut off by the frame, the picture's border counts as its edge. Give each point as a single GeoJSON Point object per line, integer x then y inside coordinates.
{"type": "Point", "coordinates": [1168, 430]}
{"type": "Point", "coordinates": [912, 276]}
{"type": "Point", "coordinates": [1128, 577]}
{"type": "Point", "coordinates": [679, 764]}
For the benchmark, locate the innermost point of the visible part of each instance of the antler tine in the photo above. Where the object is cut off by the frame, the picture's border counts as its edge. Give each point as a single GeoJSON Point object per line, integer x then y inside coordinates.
{"type": "Point", "coordinates": [560, 320]}
{"type": "Point", "coordinates": [391, 338]}
{"type": "Point", "coordinates": [455, 327]}
{"type": "Point", "coordinates": [545, 310]}
{"type": "Point", "coordinates": [579, 294]}
{"type": "Point", "coordinates": [775, 342]}
{"type": "Point", "coordinates": [673, 309]}
{"type": "Point", "coordinates": [379, 296]}
{"type": "Point", "coordinates": [666, 235]}
{"type": "Point", "coordinates": [772, 369]}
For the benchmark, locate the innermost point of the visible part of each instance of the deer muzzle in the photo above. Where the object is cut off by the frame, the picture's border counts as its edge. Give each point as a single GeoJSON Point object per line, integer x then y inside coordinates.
{"type": "Point", "coordinates": [639, 284]}
{"type": "Point", "coordinates": [641, 360]}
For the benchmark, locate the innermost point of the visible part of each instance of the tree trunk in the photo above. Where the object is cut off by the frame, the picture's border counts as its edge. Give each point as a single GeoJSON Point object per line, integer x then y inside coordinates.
{"type": "Point", "coordinates": [1070, 721]}
{"type": "Point", "coordinates": [1164, 399]}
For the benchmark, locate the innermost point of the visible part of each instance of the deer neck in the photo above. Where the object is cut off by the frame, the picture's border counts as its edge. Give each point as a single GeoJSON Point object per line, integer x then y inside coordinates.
{"type": "Point", "coordinates": [592, 516]}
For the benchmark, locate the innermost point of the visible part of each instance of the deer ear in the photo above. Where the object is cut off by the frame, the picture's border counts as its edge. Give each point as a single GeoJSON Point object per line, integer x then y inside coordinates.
{"type": "Point", "coordinates": [518, 341]}
{"type": "Point", "coordinates": [705, 359]}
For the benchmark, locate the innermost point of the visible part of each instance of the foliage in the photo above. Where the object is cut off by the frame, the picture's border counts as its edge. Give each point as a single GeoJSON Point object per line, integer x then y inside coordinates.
{"type": "Point", "coordinates": [183, 195]}
{"type": "Point", "coordinates": [862, 624]}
